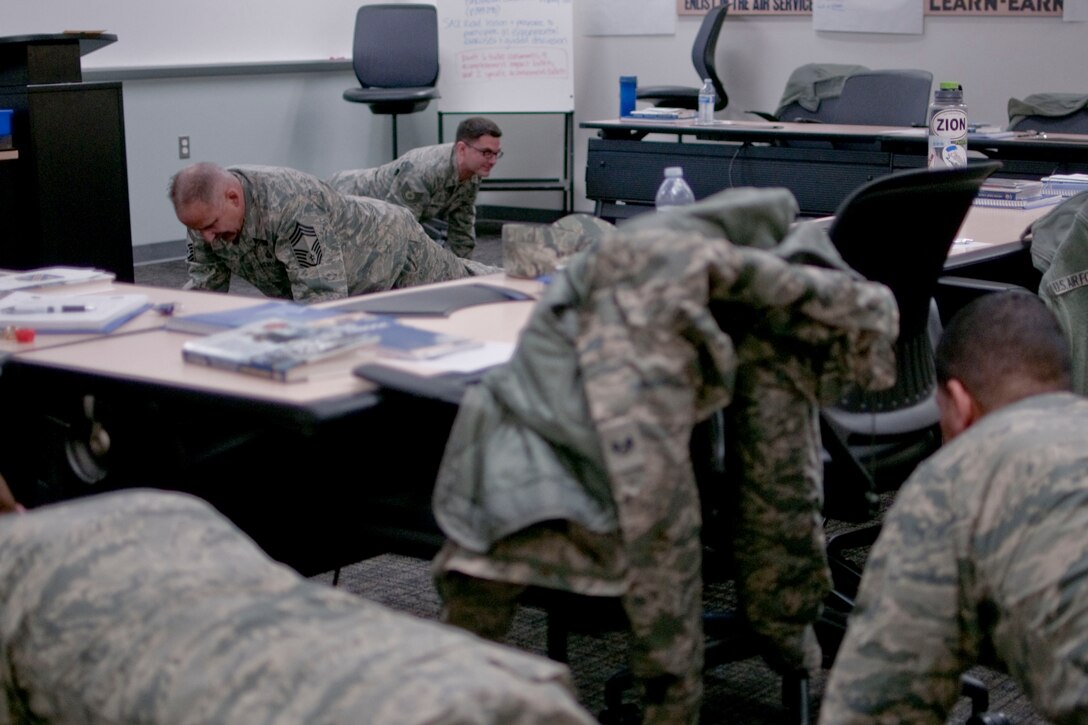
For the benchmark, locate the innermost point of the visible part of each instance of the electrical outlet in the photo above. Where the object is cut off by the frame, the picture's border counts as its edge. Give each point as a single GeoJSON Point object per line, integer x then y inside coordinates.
{"type": "Point", "coordinates": [183, 147]}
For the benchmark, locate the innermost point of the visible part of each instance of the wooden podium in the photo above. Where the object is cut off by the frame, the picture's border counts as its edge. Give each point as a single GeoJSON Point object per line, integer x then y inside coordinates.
{"type": "Point", "coordinates": [67, 200]}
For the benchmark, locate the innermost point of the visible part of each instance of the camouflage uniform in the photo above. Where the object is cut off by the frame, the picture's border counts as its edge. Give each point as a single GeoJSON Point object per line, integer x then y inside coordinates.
{"type": "Point", "coordinates": [150, 607]}
{"type": "Point", "coordinates": [425, 181]}
{"type": "Point", "coordinates": [1059, 250]}
{"type": "Point", "coordinates": [568, 468]}
{"type": "Point", "coordinates": [302, 240]}
{"type": "Point", "coordinates": [532, 250]}
{"type": "Point", "coordinates": [982, 559]}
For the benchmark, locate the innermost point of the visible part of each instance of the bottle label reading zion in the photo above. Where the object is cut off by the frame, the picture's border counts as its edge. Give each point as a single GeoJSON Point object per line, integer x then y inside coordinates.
{"type": "Point", "coordinates": [948, 138]}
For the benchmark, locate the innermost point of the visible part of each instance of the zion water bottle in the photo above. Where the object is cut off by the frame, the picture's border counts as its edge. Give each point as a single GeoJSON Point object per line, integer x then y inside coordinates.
{"type": "Point", "coordinates": [947, 128]}
{"type": "Point", "coordinates": [674, 191]}
{"type": "Point", "coordinates": [706, 102]}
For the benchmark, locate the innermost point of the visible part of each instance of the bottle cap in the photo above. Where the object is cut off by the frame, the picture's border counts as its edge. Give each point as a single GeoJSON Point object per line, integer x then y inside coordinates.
{"type": "Point", "coordinates": [674, 171]}
{"type": "Point", "coordinates": [951, 86]}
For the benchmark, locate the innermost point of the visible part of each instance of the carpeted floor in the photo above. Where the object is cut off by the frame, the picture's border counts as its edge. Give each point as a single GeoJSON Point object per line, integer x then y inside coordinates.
{"type": "Point", "coordinates": [744, 692]}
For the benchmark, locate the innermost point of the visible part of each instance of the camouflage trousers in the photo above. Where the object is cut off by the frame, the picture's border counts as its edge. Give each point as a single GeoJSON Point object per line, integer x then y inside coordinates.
{"type": "Point", "coordinates": [669, 680]}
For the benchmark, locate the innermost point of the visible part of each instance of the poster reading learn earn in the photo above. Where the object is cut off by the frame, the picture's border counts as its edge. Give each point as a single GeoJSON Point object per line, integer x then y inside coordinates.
{"type": "Point", "coordinates": [506, 55]}
{"type": "Point", "coordinates": [1018, 8]}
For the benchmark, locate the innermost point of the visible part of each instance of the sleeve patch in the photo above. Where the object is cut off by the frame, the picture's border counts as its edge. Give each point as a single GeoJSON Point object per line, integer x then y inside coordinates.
{"type": "Point", "coordinates": [306, 246]}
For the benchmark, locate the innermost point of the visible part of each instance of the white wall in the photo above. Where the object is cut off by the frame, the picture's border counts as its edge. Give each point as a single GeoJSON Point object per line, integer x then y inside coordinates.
{"type": "Point", "coordinates": [300, 120]}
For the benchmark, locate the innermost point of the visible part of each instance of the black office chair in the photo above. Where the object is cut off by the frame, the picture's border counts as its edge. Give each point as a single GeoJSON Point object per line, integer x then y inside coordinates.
{"type": "Point", "coordinates": [897, 230]}
{"type": "Point", "coordinates": [702, 57]}
{"type": "Point", "coordinates": [881, 233]}
{"type": "Point", "coordinates": [395, 57]}
{"type": "Point", "coordinates": [1049, 112]}
{"type": "Point", "coordinates": [872, 98]}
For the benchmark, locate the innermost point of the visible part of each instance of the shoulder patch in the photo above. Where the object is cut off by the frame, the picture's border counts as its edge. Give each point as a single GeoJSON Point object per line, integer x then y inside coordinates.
{"type": "Point", "coordinates": [1059, 287]}
{"type": "Point", "coordinates": [306, 246]}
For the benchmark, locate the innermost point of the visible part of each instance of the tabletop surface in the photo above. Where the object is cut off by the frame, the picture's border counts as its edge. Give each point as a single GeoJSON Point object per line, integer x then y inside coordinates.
{"type": "Point", "coordinates": [142, 351]}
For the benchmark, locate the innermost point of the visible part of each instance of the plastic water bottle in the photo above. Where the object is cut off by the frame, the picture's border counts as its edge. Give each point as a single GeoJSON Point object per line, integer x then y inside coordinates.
{"type": "Point", "coordinates": [674, 191]}
{"type": "Point", "coordinates": [706, 102]}
{"type": "Point", "coordinates": [628, 89]}
{"type": "Point", "coordinates": [947, 128]}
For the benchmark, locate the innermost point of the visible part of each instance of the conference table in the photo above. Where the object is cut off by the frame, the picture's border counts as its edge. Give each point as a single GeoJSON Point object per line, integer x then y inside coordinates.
{"type": "Point", "coordinates": [321, 473]}
{"type": "Point", "coordinates": [820, 163]}
{"type": "Point", "coordinates": [298, 466]}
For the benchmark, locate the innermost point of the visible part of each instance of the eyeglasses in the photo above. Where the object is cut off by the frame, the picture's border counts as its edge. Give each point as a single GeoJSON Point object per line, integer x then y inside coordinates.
{"type": "Point", "coordinates": [486, 153]}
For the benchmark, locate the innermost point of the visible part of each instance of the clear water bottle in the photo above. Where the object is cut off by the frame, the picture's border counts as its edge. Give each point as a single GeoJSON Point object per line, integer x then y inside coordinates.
{"type": "Point", "coordinates": [947, 128]}
{"type": "Point", "coordinates": [707, 97]}
{"type": "Point", "coordinates": [674, 191]}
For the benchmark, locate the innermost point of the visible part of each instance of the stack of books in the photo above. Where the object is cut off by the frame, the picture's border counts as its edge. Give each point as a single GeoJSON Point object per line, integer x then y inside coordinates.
{"type": "Point", "coordinates": [1014, 194]}
{"type": "Point", "coordinates": [1065, 185]}
{"type": "Point", "coordinates": [662, 113]}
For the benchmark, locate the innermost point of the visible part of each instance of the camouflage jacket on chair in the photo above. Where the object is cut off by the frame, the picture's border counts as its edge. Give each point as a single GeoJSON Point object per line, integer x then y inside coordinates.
{"type": "Point", "coordinates": [590, 421]}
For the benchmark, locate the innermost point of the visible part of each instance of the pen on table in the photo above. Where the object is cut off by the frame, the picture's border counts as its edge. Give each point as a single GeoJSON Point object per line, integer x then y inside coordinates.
{"type": "Point", "coordinates": [44, 309]}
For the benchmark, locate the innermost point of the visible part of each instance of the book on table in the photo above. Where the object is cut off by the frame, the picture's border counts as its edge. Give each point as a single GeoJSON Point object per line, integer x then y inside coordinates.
{"type": "Point", "coordinates": [1030, 203]}
{"type": "Point", "coordinates": [293, 350]}
{"type": "Point", "coordinates": [70, 314]}
{"type": "Point", "coordinates": [439, 301]}
{"type": "Point", "coordinates": [206, 323]}
{"type": "Point", "coordinates": [662, 113]}
{"type": "Point", "coordinates": [1000, 188]}
{"type": "Point", "coordinates": [51, 277]}
{"type": "Point", "coordinates": [1065, 185]}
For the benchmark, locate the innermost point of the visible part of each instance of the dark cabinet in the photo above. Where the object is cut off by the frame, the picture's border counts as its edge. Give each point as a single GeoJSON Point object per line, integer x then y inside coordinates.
{"type": "Point", "coordinates": [67, 192]}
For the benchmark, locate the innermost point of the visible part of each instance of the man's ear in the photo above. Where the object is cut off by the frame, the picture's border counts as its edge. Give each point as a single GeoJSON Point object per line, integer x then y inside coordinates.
{"type": "Point", "coordinates": [961, 409]}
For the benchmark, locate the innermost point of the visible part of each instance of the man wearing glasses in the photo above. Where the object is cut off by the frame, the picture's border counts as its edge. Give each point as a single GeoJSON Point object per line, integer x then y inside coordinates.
{"type": "Point", "coordinates": [436, 183]}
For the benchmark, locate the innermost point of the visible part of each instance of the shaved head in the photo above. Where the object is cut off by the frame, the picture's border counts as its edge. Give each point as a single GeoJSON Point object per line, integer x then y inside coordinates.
{"type": "Point", "coordinates": [202, 182]}
{"type": "Point", "coordinates": [209, 200]}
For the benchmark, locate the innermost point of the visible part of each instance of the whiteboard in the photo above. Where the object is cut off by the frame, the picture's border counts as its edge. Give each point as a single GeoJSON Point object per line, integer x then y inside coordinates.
{"type": "Point", "coordinates": [495, 55]}
{"type": "Point", "coordinates": [506, 55]}
{"type": "Point", "coordinates": [195, 32]}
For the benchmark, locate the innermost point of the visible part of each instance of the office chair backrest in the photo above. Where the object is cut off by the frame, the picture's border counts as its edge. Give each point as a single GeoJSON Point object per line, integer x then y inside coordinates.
{"type": "Point", "coordinates": [702, 57]}
{"type": "Point", "coordinates": [873, 98]}
{"type": "Point", "coordinates": [704, 48]}
{"type": "Point", "coordinates": [897, 230]}
{"type": "Point", "coordinates": [396, 46]}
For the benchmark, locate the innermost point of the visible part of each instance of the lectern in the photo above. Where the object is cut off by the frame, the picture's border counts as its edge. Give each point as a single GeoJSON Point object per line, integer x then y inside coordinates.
{"type": "Point", "coordinates": [66, 195]}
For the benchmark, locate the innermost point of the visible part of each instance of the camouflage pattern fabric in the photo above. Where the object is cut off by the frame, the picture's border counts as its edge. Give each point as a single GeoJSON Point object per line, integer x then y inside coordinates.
{"type": "Point", "coordinates": [1059, 249]}
{"type": "Point", "coordinates": [625, 339]}
{"type": "Point", "coordinates": [301, 240]}
{"type": "Point", "coordinates": [424, 181]}
{"type": "Point", "coordinates": [532, 250]}
{"type": "Point", "coordinates": [982, 559]}
{"type": "Point", "coordinates": [149, 607]}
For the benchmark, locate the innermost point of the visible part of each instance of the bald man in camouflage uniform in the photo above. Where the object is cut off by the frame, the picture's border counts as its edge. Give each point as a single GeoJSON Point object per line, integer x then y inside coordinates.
{"type": "Point", "coordinates": [983, 557]}
{"type": "Point", "coordinates": [435, 182]}
{"type": "Point", "coordinates": [294, 237]}
{"type": "Point", "coordinates": [568, 468]}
